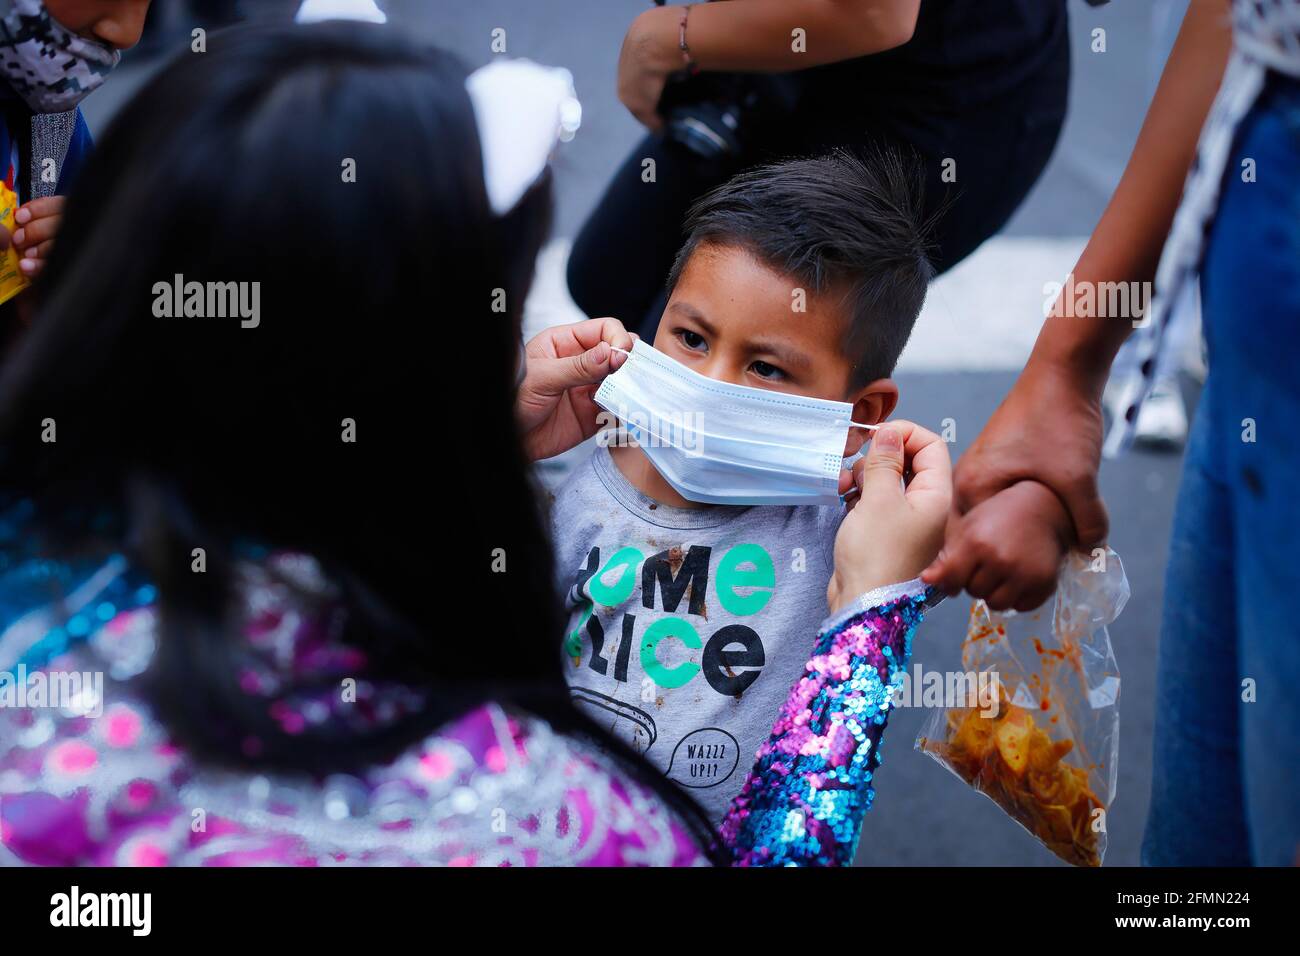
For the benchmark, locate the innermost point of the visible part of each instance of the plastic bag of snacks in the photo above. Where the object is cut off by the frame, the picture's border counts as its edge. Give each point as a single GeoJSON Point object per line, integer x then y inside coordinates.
{"type": "Point", "coordinates": [1048, 751]}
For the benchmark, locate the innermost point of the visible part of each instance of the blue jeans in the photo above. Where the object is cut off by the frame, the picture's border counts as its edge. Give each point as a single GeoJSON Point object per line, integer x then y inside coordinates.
{"type": "Point", "coordinates": [1226, 776]}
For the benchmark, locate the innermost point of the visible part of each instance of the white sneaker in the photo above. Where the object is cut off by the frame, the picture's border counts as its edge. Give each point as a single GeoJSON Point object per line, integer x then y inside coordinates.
{"type": "Point", "coordinates": [1162, 420]}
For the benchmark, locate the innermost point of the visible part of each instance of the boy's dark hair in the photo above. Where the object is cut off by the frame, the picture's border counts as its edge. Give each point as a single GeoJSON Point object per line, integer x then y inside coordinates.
{"type": "Point", "coordinates": [832, 222]}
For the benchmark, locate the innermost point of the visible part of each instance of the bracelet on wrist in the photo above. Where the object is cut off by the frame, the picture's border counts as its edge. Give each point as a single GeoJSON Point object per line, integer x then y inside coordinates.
{"type": "Point", "coordinates": [688, 61]}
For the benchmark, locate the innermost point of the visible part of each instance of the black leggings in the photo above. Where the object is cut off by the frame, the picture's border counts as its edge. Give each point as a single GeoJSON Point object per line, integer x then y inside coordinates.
{"type": "Point", "coordinates": [621, 258]}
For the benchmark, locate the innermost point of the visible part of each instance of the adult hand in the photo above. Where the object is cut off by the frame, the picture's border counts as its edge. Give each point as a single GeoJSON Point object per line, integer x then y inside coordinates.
{"type": "Point", "coordinates": [1047, 430]}
{"type": "Point", "coordinates": [892, 532]}
{"type": "Point", "coordinates": [564, 366]}
{"type": "Point", "coordinates": [650, 53]}
{"type": "Point", "coordinates": [1006, 550]}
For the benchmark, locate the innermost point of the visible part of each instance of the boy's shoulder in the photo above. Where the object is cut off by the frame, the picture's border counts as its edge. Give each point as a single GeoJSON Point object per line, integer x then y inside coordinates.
{"type": "Point", "coordinates": [578, 492]}
{"type": "Point", "coordinates": [583, 506]}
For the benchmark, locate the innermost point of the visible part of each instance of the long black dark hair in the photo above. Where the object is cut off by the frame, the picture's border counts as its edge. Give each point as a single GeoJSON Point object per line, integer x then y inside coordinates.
{"type": "Point", "coordinates": [338, 166]}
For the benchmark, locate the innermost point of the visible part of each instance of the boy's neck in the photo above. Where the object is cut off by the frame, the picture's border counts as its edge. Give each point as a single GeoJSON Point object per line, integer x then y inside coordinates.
{"type": "Point", "coordinates": [645, 478]}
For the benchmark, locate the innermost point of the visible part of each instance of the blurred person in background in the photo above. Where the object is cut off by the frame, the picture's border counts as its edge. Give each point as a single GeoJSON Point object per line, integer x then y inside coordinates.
{"type": "Point", "coordinates": [1162, 419]}
{"type": "Point", "coordinates": [53, 54]}
{"type": "Point", "coordinates": [976, 88]}
{"type": "Point", "coordinates": [1209, 196]}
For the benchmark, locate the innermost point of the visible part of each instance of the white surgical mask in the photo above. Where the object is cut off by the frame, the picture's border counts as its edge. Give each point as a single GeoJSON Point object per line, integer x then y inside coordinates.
{"type": "Point", "coordinates": [719, 443]}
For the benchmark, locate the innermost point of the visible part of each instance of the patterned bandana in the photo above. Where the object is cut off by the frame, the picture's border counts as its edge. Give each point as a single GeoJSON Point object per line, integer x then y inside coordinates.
{"type": "Point", "coordinates": [49, 66]}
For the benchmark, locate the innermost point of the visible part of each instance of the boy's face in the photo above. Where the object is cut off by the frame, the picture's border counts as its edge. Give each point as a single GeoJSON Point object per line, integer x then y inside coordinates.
{"type": "Point", "coordinates": [118, 23]}
{"type": "Point", "coordinates": [734, 319]}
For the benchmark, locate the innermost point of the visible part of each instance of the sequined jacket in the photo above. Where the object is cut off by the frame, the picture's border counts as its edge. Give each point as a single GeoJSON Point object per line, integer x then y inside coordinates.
{"type": "Point", "coordinates": [96, 780]}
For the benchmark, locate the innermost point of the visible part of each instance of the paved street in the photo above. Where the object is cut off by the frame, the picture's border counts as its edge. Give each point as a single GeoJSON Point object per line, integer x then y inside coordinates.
{"type": "Point", "coordinates": [975, 333]}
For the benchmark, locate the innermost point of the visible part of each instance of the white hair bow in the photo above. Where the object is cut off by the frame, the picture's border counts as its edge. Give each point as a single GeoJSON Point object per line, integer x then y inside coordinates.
{"type": "Point", "coordinates": [314, 11]}
{"type": "Point", "coordinates": [522, 110]}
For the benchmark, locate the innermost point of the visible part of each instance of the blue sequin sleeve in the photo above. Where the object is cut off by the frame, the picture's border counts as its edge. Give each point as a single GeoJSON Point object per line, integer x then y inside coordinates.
{"type": "Point", "coordinates": [804, 801]}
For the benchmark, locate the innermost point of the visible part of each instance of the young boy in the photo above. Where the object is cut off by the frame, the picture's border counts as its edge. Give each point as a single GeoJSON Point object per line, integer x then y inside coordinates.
{"type": "Point", "coordinates": [689, 623]}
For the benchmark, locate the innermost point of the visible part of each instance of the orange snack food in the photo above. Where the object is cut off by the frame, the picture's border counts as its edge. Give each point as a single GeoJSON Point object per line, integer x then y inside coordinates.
{"type": "Point", "coordinates": [1044, 746]}
{"type": "Point", "coordinates": [1010, 759]}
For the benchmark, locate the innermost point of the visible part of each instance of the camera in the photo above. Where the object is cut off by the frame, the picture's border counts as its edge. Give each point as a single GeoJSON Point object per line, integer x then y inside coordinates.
{"type": "Point", "coordinates": [720, 116]}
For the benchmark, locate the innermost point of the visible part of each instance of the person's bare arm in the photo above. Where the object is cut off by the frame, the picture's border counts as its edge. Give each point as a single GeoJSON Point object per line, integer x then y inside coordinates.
{"type": "Point", "coordinates": [1049, 427]}
{"type": "Point", "coordinates": [759, 35]}
{"type": "Point", "coordinates": [754, 36]}
{"type": "Point", "coordinates": [1126, 245]}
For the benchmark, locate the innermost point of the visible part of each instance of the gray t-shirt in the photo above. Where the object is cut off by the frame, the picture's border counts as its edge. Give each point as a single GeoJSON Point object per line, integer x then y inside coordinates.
{"type": "Point", "coordinates": [687, 627]}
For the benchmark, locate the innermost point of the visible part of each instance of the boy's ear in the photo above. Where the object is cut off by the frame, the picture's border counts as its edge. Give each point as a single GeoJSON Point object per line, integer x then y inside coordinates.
{"type": "Point", "coordinates": [872, 405]}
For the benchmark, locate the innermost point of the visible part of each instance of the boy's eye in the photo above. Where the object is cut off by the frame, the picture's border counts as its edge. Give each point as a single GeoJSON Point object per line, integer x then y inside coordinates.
{"type": "Point", "coordinates": [764, 370]}
{"type": "Point", "coordinates": [692, 340]}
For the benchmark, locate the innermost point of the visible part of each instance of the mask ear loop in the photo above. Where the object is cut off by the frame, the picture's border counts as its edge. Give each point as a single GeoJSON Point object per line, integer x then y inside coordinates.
{"type": "Point", "coordinates": [844, 498]}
